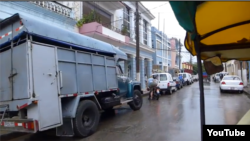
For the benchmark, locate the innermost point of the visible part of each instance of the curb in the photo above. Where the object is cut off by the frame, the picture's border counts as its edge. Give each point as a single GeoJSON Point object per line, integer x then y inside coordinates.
{"type": "Point", "coordinates": [246, 93]}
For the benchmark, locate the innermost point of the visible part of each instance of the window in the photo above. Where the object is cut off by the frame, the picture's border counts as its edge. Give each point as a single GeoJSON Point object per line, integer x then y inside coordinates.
{"type": "Point", "coordinates": [163, 77]}
{"type": "Point", "coordinates": [126, 19]}
{"type": "Point", "coordinates": [231, 78]}
{"type": "Point", "coordinates": [184, 75]}
{"type": "Point", "coordinates": [158, 44]}
{"type": "Point", "coordinates": [145, 37]}
{"type": "Point", "coordinates": [118, 71]}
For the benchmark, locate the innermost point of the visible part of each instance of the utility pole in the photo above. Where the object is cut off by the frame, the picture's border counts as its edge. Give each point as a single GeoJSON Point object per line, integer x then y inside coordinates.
{"type": "Point", "coordinates": [191, 61]}
{"type": "Point", "coordinates": [137, 44]}
{"type": "Point", "coordinates": [179, 54]}
{"type": "Point", "coordinates": [163, 49]}
{"type": "Point", "coordinates": [241, 70]}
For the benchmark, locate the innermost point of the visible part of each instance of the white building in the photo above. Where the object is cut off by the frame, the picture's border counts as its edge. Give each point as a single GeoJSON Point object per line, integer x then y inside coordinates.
{"type": "Point", "coordinates": [117, 27]}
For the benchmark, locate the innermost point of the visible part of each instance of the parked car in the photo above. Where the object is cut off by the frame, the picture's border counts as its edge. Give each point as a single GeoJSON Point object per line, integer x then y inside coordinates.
{"type": "Point", "coordinates": [216, 77]}
{"type": "Point", "coordinates": [166, 82]}
{"type": "Point", "coordinates": [178, 82]}
{"type": "Point", "coordinates": [195, 78]}
{"type": "Point", "coordinates": [187, 78]}
{"type": "Point", "coordinates": [231, 83]}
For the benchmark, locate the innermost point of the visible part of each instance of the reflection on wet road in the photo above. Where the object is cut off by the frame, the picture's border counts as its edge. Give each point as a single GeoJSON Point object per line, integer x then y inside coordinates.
{"type": "Point", "coordinates": [173, 118]}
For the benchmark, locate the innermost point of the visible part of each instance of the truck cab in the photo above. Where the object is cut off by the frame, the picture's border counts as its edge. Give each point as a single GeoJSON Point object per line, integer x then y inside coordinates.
{"type": "Point", "coordinates": [125, 84]}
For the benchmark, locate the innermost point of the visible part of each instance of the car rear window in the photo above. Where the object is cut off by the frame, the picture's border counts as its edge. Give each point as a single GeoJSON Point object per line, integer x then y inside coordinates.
{"type": "Point", "coordinates": [184, 75]}
{"type": "Point", "coordinates": [231, 78]}
{"type": "Point", "coordinates": [163, 77]}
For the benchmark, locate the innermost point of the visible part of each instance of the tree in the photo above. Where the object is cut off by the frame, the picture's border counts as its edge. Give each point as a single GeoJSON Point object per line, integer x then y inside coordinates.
{"type": "Point", "coordinates": [195, 68]}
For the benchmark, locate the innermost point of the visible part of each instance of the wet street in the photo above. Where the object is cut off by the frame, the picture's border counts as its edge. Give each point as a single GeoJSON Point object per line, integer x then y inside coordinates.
{"type": "Point", "coordinates": [173, 118]}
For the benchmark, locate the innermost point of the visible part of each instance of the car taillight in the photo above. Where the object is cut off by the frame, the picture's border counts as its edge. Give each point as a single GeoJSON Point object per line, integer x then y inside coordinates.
{"type": "Point", "coordinates": [241, 83]}
{"type": "Point", "coordinates": [223, 83]}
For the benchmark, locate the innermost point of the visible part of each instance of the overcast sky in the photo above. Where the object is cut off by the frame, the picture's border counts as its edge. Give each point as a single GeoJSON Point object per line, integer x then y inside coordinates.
{"type": "Point", "coordinates": [172, 27]}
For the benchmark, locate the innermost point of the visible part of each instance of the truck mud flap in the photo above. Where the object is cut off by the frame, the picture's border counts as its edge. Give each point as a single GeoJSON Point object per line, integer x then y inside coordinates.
{"type": "Point", "coordinates": [66, 129]}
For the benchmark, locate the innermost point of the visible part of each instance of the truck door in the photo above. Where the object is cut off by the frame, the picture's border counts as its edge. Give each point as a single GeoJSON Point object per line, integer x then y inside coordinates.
{"type": "Point", "coordinates": [122, 82]}
{"type": "Point", "coordinates": [46, 86]}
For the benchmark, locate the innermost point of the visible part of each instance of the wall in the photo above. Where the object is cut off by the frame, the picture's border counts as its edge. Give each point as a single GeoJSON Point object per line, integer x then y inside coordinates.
{"type": "Point", "coordinates": [39, 13]}
{"type": "Point", "coordinates": [160, 55]}
{"type": "Point", "coordinates": [173, 53]}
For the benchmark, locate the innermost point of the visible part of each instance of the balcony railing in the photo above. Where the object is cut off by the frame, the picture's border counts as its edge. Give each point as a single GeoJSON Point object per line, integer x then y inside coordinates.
{"type": "Point", "coordinates": [55, 7]}
{"type": "Point", "coordinates": [117, 30]}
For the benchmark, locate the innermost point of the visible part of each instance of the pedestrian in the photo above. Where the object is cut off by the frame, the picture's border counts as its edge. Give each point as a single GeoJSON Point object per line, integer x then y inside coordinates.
{"type": "Point", "coordinates": [181, 79]}
{"type": "Point", "coordinates": [221, 76]}
{"type": "Point", "coordinates": [152, 84]}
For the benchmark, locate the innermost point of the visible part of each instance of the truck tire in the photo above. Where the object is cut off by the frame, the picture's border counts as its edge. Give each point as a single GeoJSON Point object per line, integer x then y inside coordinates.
{"type": "Point", "coordinates": [87, 118]}
{"type": "Point", "coordinates": [137, 101]}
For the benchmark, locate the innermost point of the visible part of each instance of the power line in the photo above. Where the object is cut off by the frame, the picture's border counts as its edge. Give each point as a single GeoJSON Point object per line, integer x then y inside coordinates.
{"type": "Point", "coordinates": [154, 8]}
{"type": "Point", "coordinates": [149, 10]}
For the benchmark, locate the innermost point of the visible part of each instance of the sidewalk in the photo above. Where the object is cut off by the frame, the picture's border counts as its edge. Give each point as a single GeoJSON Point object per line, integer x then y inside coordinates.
{"type": "Point", "coordinates": [247, 89]}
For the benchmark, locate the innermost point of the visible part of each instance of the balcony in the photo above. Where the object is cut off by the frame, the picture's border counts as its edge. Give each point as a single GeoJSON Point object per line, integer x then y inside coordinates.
{"type": "Point", "coordinates": [106, 33]}
{"type": "Point", "coordinates": [55, 7]}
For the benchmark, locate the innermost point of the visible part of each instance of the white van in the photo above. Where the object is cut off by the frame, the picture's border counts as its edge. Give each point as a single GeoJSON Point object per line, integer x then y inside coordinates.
{"type": "Point", "coordinates": [187, 77]}
{"type": "Point", "coordinates": [166, 82]}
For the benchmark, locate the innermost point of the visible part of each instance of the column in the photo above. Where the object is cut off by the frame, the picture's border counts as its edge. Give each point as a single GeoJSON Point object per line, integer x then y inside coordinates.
{"type": "Point", "coordinates": [149, 40]}
{"type": "Point", "coordinates": [132, 23]}
{"type": "Point", "coordinates": [150, 67]}
{"type": "Point", "coordinates": [126, 68]}
{"type": "Point", "coordinates": [133, 67]}
{"type": "Point", "coordinates": [141, 30]}
{"type": "Point", "coordinates": [142, 77]}
{"type": "Point", "coordinates": [249, 70]}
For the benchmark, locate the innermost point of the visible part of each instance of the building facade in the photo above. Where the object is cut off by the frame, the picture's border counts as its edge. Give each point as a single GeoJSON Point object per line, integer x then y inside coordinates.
{"type": "Point", "coordinates": [162, 55]}
{"type": "Point", "coordinates": [187, 67]}
{"type": "Point", "coordinates": [46, 11]}
{"type": "Point", "coordinates": [234, 67]}
{"type": "Point", "coordinates": [116, 25]}
{"type": "Point", "coordinates": [175, 55]}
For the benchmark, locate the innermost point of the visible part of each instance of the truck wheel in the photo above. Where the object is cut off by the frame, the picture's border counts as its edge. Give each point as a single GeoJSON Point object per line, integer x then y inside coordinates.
{"type": "Point", "coordinates": [137, 101]}
{"type": "Point", "coordinates": [87, 118]}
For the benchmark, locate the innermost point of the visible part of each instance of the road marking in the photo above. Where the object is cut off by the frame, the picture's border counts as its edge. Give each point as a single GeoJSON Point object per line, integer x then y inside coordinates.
{"type": "Point", "coordinates": [245, 120]}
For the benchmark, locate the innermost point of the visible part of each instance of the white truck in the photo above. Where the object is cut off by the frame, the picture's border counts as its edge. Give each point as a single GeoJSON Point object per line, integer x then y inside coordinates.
{"type": "Point", "coordinates": [166, 82]}
{"type": "Point", "coordinates": [53, 78]}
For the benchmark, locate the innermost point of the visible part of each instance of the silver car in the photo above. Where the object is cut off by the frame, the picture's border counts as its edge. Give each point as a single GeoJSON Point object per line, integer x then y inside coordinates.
{"type": "Point", "coordinates": [231, 83]}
